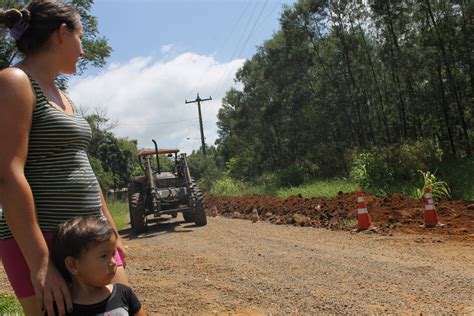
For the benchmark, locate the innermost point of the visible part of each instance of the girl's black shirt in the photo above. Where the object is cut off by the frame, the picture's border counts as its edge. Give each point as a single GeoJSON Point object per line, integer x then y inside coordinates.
{"type": "Point", "coordinates": [121, 302]}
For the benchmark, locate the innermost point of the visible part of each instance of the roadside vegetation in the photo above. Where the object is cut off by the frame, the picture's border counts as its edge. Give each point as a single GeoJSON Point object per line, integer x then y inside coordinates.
{"type": "Point", "coordinates": [405, 169]}
{"type": "Point", "coordinates": [119, 211]}
{"type": "Point", "coordinates": [380, 174]}
{"type": "Point", "coordinates": [9, 305]}
{"type": "Point", "coordinates": [381, 96]}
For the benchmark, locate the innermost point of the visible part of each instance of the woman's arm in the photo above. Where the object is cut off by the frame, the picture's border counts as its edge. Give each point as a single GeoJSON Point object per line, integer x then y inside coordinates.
{"type": "Point", "coordinates": [16, 105]}
{"type": "Point", "coordinates": [120, 247]}
{"type": "Point", "coordinates": [140, 312]}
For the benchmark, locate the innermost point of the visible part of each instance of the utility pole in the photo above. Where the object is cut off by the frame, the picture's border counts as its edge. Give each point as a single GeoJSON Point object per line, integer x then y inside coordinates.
{"type": "Point", "coordinates": [198, 100]}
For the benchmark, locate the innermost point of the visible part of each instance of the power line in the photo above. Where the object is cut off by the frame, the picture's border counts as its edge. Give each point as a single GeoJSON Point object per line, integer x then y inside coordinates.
{"type": "Point", "coordinates": [219, 86]}
{"type": "Point", "coordinates": [245, 29]}
{"type": "Point", "coordinates": [222, 45]}
{"type": "Point", "coordinates": [253, 27]}
{"type": "Point", "coordinates": [269, 14]}
{"type": "Point", "coordinates": [226, 72]}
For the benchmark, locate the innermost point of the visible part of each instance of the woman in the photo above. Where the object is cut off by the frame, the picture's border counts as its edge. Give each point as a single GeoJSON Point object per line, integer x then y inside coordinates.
{"type": "Point", "coordinates": [45, 175]}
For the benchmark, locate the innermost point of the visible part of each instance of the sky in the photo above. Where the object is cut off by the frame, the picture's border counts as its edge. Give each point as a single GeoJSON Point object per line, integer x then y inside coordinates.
{"type": "Point", "coordinates": [166, 52]}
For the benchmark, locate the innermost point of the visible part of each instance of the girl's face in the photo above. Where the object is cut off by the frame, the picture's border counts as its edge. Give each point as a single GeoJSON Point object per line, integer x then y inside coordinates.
{"type": "Point", "coordinates": [96, 266]}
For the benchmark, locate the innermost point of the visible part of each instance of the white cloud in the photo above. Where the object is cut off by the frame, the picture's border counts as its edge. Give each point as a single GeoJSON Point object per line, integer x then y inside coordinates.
{"type": "Point", "coordinates": [167, 48]}
{"type": "Point", "coordinates": [147, 98]}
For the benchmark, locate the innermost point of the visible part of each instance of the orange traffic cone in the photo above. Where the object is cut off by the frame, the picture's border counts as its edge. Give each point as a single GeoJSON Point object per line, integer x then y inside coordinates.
{"type": "Point", "coordinates": [363, 218]}
{"type": "Point", "coordinates": [213, 212]}
{"type": "Point", "coordinates": [431, 218]}
{"type": "Point", "coordinates": [255, 217]}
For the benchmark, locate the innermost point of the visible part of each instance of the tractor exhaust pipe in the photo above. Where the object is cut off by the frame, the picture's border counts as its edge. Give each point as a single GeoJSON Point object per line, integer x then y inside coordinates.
{"type": "Point", "coordinates": [157, 158]}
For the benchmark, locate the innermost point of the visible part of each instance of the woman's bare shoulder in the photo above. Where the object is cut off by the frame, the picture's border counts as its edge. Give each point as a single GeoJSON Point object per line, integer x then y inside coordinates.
{"type": "Point", "coordinates": [13, 76]}
{"type": "Point", "coordinates": [15, 86]}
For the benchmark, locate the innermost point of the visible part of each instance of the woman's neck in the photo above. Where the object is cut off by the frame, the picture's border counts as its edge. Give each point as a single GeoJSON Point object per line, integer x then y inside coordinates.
{"type": "Point", "coordinates": [86, 294]}
{"type": "Point", "coordinates": [40, 67]}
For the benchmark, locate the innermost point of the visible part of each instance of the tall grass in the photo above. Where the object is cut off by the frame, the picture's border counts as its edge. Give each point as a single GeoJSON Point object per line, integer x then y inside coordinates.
{"type": "Point", "coordinates": [229, 186]}
{"type": "Point", "coordinates": [119, 212]}
{"type": "Point", "coordinates": [326, 188]}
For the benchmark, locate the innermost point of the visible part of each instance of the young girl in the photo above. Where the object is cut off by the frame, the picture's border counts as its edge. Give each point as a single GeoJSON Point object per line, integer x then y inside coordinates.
{"type": "Point", "coordinates": [84, 253]}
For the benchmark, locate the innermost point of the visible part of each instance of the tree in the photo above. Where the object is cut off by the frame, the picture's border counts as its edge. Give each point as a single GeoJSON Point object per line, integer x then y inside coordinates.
{"type": "Point", "coordinates": [341, 77]}
{"type": "Point", "coordinates": [113, 159]}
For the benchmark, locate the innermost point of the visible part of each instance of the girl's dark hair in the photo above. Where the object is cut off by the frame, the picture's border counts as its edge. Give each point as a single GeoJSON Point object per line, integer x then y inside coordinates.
{"type": "Point", "coordinates": [44, 17]}
{"type": "Point", "coordinates": [78, 235]}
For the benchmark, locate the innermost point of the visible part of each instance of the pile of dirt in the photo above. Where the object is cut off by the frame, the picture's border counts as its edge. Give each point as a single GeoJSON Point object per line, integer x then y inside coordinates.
{"type": "Point", "coordinates": [394, 212]}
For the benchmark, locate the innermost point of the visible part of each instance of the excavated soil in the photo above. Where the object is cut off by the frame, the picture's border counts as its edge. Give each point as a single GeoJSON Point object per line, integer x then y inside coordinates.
{"type": "Point", "coordinates": [395, 212]}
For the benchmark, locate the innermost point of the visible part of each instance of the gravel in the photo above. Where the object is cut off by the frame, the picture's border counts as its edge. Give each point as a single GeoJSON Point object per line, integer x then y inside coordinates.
{"type": "Point", "coordinates": [234, 266]}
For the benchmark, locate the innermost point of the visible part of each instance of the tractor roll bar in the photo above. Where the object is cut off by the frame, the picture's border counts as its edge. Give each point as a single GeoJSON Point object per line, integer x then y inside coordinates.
{"type": "Point", "coordinates": [157, 158]}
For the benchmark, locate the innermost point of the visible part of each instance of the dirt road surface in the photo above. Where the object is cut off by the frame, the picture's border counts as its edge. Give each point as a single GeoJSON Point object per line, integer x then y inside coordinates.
{"type": "Point", "coordinates": [236, 267]}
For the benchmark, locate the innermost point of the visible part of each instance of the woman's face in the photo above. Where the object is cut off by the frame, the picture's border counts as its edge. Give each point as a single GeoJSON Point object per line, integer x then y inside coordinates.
{"type": "Point", "coordinates": [72, 49]}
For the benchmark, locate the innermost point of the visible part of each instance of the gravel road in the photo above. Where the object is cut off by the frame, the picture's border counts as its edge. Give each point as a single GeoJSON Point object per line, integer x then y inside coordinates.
{"type": "Point", "coordinates": [237, 267]}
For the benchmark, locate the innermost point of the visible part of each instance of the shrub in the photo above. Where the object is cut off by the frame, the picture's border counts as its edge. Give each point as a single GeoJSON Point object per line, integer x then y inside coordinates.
{"type": "Point", "coordinates": [106, 178]}
{"type": "Point", "coordinates": [459, 174]}
{"type": "Point", "coordinates": [387, 169]}
{"type": "Point", "coordinates": [372, 172]}
{"type": "Point", "coordinates": [204, 169]}
{"type": "Point", "coordinates": [293, 175]}
{"type": "Point", "coordinates": [268, 183]}
{"type": "Point", "coordinates": [228, 186]}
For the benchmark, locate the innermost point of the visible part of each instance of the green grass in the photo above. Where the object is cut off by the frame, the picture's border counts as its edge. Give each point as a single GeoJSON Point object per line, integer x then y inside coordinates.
{"type": "Point", "coordinates": [9, 305]}
{"type": "Point", "coordinates": [326, 188]}
{"type": "Point", "coordinates": [119, 212]}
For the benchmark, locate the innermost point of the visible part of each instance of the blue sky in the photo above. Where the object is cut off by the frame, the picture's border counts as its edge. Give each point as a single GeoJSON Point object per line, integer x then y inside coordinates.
{"type": "Point", "coordinates": [167, 51]}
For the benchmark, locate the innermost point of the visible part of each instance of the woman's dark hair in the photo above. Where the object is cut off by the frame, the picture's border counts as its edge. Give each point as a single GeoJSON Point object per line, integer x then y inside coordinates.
{"type": "Point", "coordinates": [78, 235]}
{"type": "Point", "coordinates": [43, 18]}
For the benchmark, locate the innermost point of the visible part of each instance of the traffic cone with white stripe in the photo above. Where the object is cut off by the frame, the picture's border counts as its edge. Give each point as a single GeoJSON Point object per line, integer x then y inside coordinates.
{"type": "Point", "coordinates": [254, 216]}
{"type": "Point", "coordinates": [431, 218]}
{"type": "Point", "coordinates": [363, 218]}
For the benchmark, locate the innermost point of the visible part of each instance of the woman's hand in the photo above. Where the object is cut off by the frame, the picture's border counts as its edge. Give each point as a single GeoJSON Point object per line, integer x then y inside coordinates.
{"type": "Point", "coordinates": [51, 287]}
{"type": "Point", "coordinates": [121, 250]}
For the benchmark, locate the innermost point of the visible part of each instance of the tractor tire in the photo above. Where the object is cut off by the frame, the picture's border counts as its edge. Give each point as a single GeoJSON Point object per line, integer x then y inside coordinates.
{"type": "Point", "coordinates": [136, 207]}
{"type": "Point", "coordinates": [200, 218]}
{"type": "Point", "coordinates": [188, 217]}
{"type": "Point", "coordinates": [199, 214]}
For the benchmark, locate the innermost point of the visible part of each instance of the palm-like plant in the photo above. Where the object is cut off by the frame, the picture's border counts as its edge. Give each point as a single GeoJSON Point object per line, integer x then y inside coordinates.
{"type": "Point", "coordinates": [439, 189]}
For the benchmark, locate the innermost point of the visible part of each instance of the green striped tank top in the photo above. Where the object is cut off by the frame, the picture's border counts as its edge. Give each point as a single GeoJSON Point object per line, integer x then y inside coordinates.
{"type": "Point", "coordinates": [57, 166]}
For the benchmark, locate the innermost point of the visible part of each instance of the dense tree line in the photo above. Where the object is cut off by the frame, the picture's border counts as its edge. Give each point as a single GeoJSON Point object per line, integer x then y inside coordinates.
{"type": "Point", "coordinates": [341, 77]}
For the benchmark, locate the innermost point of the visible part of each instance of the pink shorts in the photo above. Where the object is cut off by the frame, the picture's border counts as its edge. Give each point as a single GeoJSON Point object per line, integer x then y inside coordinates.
{"type": "Point", "coordinates": [17, 270]}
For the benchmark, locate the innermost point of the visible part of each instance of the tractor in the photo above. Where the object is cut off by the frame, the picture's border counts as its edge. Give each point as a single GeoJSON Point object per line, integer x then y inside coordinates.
{"type": "Point", "coordinates": [159, 192]}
